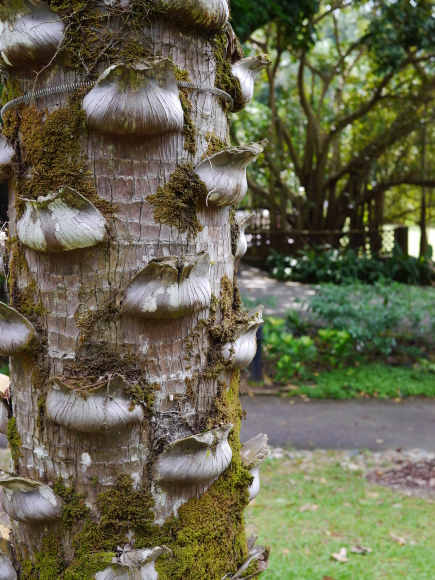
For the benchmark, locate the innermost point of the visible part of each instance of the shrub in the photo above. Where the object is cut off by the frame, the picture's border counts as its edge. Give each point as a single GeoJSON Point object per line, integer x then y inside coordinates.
{"type": "Point", "coordinates": [319, 265]}
{"type": "Point", "coordinates": [376, 316]}
{"type": "Point", "coordinates": [295, 356]}
{"type": "Point", "coordinates": [351, 323]}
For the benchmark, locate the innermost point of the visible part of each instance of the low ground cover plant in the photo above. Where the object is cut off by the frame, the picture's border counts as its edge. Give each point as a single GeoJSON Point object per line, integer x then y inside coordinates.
{"type": "Point", "coordinates": [356, 340]}
{"type": "Point", "coordinates": [319, 265]}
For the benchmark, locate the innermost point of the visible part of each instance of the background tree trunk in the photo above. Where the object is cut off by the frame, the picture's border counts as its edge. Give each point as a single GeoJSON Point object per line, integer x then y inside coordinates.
{"type": "Point", "coordinates": [127, 356]}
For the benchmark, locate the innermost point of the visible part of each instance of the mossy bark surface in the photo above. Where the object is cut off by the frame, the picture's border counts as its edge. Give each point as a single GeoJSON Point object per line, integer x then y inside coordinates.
{"type": "Point", "coordinates": [172, 367]}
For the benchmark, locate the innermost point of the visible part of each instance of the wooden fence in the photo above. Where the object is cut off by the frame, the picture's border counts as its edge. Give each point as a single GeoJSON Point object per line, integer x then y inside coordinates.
{"type": "Point", "coordinates": [289, 241]}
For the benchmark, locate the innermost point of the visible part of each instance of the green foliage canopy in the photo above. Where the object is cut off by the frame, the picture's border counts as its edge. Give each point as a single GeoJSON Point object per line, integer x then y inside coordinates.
{"type": "Point", "coordinates": [248, 15]}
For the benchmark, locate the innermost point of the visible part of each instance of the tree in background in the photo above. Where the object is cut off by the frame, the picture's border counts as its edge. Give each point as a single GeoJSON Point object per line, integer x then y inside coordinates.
{"type": "Point", "coordinates": [124, 326]}
{"type": "Point", "coordinates": [363, 77]}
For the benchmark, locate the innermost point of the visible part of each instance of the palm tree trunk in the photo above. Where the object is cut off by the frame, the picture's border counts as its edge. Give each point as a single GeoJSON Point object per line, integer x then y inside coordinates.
{"type": "Point", "coordinates": [124, 328]}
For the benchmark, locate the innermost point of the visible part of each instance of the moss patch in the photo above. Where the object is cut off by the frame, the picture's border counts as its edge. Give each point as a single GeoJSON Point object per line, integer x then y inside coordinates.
{"type": "Point", "coordinates": [75, 508]}
{"type": "Point", "coordinates": [41, 411]}
{"type": "Point", "coordinates": [86, 565]}
{"type": "Point", "coordinates": [95, 363]}
{"type": "Point", "coordinates": [177, 203]}
{"type": "Point", "coordinates": [189, 128]}
{"type": "Point", "coordinates": [226, 318]}
{"type": "Point", "coordinates": [14, 441]}
{"type": "Point", "coordinates": [208, 537]}
{"type": "Point", "coordinates": [225, 80]}
{"type": "Point", "coordinates": [52, 154]}
{"type": "Point", "coordinates": [235, 230]}
{"type": "Point", "coordinates": [49, 561]}
{"type": "Point", "coordinates": [111, 35]}
{"type": "Point", "coordinates": [89, 321]}
{"type": "Point", "coordinates": [233, 317]}
{"type": "Point", "coordinates": [24, 298]}
{"type": "Point", "coordinates": [215, 144]}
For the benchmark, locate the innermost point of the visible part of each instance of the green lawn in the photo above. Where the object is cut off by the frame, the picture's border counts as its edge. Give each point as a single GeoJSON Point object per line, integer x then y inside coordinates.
{"type": "Point", "coordinates": [350, 512]}
{"type": "Point", "coordinates": [373, 379]}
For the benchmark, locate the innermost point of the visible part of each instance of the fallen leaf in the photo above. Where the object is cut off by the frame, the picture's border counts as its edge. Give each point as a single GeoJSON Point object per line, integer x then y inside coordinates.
{"type": "Point", "coordinates": [397, 506]}
{"type": "Point", "coordinates": [347, 504]}
{"type": "Point", "coordinates": [412, 543]}
{"type": "Point", "coordinates": [322, 480]}
{"type": "Point", "coordinates": [285, 551]}
{"type": "Point", "coordinates": [327, 578]}
{"type": "Point", "coordinates": [361, 550]}
{"type": "Point", "coordinates": [398, 539]}
{"type": "Point", "coordinates": [309, 507]}
{"type": "Point", "coordinates": [341, 556]}
{"type": "Point", "coordinates": [372, 494]}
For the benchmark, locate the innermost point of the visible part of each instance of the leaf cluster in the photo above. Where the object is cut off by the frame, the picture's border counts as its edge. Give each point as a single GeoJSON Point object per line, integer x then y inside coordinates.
{"type": "Point", "coordinates": [396, 28]}
{"type": "Point", "coordinates": [248, 16]}
{"type": "Point", "coordinates": [317, 265]}
{"type": "Point", "coordinates": [350, 324]}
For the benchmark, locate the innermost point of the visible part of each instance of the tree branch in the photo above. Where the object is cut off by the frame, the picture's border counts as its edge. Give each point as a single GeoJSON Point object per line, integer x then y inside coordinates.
{"type": "Point", "coordinates": [289, 142]}
{"type": "Point", "coordinates": [304, 101]}
{"type": "Point", "coordinates": [366, 108]}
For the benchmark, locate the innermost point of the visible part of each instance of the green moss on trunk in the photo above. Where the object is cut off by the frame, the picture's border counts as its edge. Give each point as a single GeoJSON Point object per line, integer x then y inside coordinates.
{"type": "Point", "coordinates": [14, 441]}
{"type": "Point", "coordinates": [177, 203]}
{"type": "Point", "coordinates": [53, 154]}
{"type": "Point", "coordinates": [215, 144]}
{"type": "Point", "coordinates": [225, 80]}
{"type": "Point", "coordinates": [189, 128]}
{"type": "Point", "coordinates": [208, 537]}
{"type": "Point", "coordinates": [90, 29]}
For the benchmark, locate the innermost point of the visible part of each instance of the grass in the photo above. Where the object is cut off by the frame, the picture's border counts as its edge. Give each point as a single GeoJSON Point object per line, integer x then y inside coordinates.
{"type": "Point", "coordinates": [350, 512]}
{"type": "Point", "coordinates": [375, 380]}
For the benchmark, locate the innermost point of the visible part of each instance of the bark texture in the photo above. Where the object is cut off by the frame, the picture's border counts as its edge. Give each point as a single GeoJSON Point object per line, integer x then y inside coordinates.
{"type": "Point", "coordinates": [124, 421]}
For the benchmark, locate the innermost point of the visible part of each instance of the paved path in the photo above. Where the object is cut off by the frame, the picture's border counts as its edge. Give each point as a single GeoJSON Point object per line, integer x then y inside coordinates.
{"type": "Point", "coordinates": [277, 297]}
{"type": "Point", "coordinates": [354, 424]}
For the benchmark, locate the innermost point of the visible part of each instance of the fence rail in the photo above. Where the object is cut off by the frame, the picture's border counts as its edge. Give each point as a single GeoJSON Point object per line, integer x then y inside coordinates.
{"type": "Point", "coordinates": [261, 241]}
